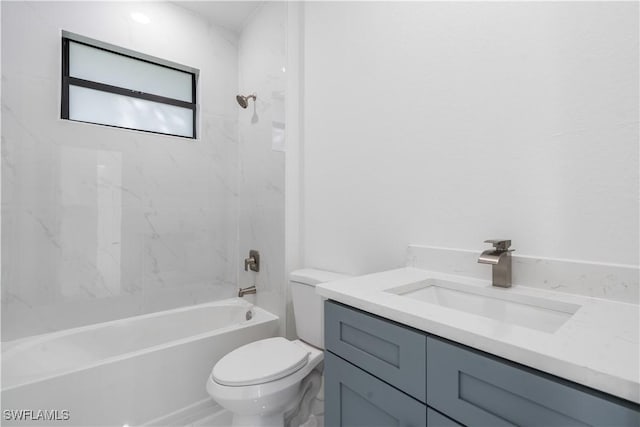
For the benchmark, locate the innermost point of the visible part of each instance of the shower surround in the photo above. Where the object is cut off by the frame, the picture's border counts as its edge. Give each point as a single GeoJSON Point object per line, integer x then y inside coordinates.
{"type": "Point", "coordinates": [101, 223]}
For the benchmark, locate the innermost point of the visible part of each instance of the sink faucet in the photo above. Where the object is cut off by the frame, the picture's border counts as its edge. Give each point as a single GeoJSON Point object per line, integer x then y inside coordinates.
{"type": "Point", "coordinates": [500, 259]}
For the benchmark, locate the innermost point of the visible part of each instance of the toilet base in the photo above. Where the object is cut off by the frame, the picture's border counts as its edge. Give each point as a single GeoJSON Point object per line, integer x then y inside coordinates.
{"type": "Point", "coordinates": [302, 409]}
{"type": "Point", "coordinates": [296, 414]}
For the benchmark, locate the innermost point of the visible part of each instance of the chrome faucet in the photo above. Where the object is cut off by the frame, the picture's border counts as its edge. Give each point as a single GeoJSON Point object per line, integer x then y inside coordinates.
{"type": "Point", "coordinates": [500, 259]}
{"type": "Point", "coordinates": [247, 291]}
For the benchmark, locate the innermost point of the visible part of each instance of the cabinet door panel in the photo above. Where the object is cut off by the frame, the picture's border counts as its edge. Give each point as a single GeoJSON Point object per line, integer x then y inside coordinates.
{"type": "Point", "coordinates": [392, 352]}
{"type": "Point", "coordinates": [356, 398]}
{"type": "Point", "coordinates": [435, 419]}
{"type": "Point", "coordinates": [480, 390]}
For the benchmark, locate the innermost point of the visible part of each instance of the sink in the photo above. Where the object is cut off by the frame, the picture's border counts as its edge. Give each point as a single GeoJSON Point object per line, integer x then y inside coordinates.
{"type": "Point", "coordinates": [503, 305]}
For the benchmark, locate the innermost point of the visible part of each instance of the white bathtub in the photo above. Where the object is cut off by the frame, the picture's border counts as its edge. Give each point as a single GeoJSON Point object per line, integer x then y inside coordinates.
{"type": "Point", "coordinates": [129, 371]}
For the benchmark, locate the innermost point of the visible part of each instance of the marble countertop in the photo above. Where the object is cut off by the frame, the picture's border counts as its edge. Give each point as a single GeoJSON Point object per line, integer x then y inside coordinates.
{"type": "Point", "coordinates": [599, 346]}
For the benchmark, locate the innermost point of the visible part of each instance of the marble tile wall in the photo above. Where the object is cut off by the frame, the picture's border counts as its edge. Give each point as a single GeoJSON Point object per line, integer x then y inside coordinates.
{"type": "Point", "coordinates": [262, 69]}
{"type": "Point", "coordinates": [101, 223]}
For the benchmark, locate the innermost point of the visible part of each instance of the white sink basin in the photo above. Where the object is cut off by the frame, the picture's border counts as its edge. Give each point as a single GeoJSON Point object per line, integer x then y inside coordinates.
{"type": "Point", "coordinates": [499, 304]}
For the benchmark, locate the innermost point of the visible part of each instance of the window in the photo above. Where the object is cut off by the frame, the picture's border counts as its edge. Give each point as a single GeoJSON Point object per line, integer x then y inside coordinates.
{"type": "Point", "coordinates": [111, 86]}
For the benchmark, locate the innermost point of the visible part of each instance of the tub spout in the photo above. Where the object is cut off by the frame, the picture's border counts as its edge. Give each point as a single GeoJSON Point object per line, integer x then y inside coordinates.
{"type": "Point", "coordinates": [246, 291]}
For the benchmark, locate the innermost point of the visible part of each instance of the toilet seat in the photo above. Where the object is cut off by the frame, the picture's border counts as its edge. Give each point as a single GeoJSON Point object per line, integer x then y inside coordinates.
{"type": "Point", "coordinates": [260, 362]}
{"type": "Point", "coordinates": [267, 398]}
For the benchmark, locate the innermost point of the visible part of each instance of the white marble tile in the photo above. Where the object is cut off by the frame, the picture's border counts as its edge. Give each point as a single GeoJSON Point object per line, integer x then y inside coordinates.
{"type": "Point", "coordinates": [100, 223]}
{"type": "Point", "coordinates": [609, 281]}
{"type": "Point", "coordinates": [261, 56]}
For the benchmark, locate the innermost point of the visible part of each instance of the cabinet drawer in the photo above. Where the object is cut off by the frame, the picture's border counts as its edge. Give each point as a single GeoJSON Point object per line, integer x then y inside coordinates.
{"type": "Point", "coordinates": [356, 398]}
{"type": "Point", "coordinates": [393, 353]}
{"type": "Point", "coordinates": [481, 390]}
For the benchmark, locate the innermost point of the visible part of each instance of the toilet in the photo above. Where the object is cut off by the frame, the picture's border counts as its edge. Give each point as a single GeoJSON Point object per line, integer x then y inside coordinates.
{"type": "Point", "coordinates": [273, 382]}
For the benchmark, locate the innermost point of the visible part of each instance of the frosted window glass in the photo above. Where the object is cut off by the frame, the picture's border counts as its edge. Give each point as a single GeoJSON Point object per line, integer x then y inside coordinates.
{"type": "Point", "coordinates": [100, 66]}
{"type": "Point", "coordinates": [94, 106]}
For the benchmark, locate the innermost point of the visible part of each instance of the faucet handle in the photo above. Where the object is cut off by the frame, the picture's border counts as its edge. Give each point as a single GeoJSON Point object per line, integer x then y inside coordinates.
{"type": "Point", "coordinates": [500, 244]}
{"type": "Point", "coordinates": [253, 262]}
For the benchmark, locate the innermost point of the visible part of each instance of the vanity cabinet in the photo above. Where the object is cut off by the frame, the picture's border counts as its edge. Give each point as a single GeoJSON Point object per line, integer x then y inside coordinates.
{"type": "Point", "coordinates": [392, 352]}
{"type": "Point", "coordinates": [382, 373]}
{"type": "Point", "coordinates": [360, 399]}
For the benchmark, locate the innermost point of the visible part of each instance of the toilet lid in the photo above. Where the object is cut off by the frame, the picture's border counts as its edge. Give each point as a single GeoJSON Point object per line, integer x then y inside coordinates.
{"type": "Point", "coordinates": [260, 362]}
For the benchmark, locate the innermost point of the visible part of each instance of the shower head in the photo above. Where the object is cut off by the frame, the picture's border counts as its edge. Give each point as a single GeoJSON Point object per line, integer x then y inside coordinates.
{"type": "Point", "coordinates": [243, 101]}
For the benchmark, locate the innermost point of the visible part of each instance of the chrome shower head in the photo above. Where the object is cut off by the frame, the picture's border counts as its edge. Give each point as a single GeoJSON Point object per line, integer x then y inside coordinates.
{"type": "Point", "coordinates": [243, 101]}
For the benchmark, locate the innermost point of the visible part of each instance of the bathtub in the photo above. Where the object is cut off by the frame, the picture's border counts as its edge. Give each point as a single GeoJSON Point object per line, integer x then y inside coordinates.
{"type": "Point", "coordinates": [125, 372]}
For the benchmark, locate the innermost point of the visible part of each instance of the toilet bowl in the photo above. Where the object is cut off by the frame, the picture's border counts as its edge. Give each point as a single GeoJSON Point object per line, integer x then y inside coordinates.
{"type": "Point", "coordinates": [273, 382]}
{"type": "Point", "coordinates": [272, 388]}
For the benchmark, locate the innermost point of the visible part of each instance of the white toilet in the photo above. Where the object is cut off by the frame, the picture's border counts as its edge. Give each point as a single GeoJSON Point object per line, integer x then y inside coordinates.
{"type": "Point", "coordinates": [272, 382]}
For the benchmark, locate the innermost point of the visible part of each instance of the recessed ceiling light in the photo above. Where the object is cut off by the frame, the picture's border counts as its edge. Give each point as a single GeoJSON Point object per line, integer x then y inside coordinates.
{"type": "Point", "coordinates": [140, 17]}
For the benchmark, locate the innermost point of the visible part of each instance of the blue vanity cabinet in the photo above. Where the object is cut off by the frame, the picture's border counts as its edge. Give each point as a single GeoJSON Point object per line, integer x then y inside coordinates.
{"type": "Point", "coordinates": [435, 419]}
{"type": "Point", "coordinates": [479, 389]}
{"type": "Point", "coordinates": [379, 372]}
{"type": "Point", "coordinates": [392, 352]}
{"type": "Point", "coordinates": [356, 398]}
{"type": "Point", "coordinates": [375, 370]}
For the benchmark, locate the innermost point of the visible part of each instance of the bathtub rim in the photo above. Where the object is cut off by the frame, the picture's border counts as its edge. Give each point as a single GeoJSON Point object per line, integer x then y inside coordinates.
{"type": "Point", "coordinates": [260, 315]}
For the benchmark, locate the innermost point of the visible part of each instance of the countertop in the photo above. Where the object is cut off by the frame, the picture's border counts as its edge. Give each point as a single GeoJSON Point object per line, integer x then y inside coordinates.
{"type": "Point", "coordinates": [599, 346]}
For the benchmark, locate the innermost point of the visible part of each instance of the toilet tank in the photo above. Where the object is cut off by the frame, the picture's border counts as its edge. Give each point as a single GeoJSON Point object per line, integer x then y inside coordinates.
{"type": "Point", "coordinates": [307, 305]}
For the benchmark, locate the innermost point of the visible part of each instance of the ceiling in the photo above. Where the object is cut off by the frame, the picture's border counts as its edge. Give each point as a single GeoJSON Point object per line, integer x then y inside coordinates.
{"type": "Point", "coordinates": [231, 15]}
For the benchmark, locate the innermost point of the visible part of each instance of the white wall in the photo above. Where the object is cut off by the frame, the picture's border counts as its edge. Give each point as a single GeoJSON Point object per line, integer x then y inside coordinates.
{"type": "Point", "coordinates": [101, 223]}
{"type": "Point", "coordinates": [261, 58]}
{"type": "Point", "coordinates": [448, 123]}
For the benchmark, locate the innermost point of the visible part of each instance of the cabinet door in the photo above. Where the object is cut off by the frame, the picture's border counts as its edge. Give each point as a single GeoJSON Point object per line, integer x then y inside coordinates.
{"type": "Point", "coordinates": [356, 398]}
{"type": "Point", "coordinates": [480, 390]}
{"type": "Point", "coordinates": [392, 352]}
{"type": "Point", "coordinates": [434, 419]}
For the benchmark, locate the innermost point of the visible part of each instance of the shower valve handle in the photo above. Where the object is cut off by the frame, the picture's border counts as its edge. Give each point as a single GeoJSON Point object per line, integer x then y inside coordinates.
{"type": "Point", "coordinates": [253, 262]}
